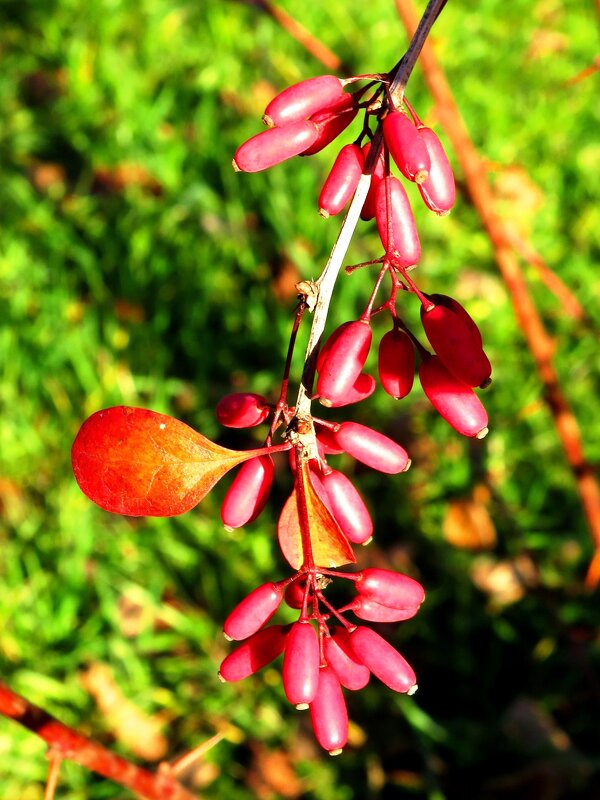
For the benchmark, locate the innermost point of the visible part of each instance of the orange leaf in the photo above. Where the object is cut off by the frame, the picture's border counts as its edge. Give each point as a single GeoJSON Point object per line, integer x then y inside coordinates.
{"type": "Point", "coordinates": [138, 462]}
{"type": "Point", "coordinates": [330, 548]}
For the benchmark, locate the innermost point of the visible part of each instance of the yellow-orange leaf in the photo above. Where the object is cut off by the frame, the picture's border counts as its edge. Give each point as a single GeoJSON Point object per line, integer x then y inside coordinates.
{"type": "Point", "coordinates": [330, 548]}
{"type": "Point", "coordinates": [142, 463]}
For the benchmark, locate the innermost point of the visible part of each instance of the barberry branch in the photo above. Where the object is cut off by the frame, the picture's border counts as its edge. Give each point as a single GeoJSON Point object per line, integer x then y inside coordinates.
{"type": "Point", "coordinates": [539, 341]}
{"type": "Point", "coordinates": [65, 743]}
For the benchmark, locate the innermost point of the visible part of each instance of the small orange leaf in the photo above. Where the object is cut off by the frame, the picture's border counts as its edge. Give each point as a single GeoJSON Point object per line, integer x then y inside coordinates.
{"type": "Point", "coordinates": [330, 548]}
{"type": "Point", "coordinates": [142, 463]}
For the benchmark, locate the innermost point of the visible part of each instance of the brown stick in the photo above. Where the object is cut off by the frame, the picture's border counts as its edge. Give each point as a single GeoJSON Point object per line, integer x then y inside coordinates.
{"type": "Point", "coordinates": [67, 743]}
{"type": "Point", "coordinates": [540, 343]}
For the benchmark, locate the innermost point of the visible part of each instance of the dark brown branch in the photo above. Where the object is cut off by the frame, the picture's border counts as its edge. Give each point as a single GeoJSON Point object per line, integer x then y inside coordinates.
{"type": "Point", "coordinates": [68, 744]}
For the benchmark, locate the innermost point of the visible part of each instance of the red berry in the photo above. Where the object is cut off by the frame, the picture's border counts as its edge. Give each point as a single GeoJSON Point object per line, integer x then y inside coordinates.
{"type": "Point", "coordinates": [301, 664]}
{"type": "Point", "coordinates": [396, 223]}
{"type": "Point", "coordinates": [294, 594]}
{"type": "Point", "coordinates": [328, 713]}
{"type": "Point", "coordinates": [374, 612]}
{"type": "Point", "coordinates": [407, 147]}
{"type": "Point", "coordinates": [456, 402]}
{"type": "Point", "coordinates": [331, 123]}
{"type": "Point", "coordinates": [438, 190]}
{"type": "Point", "coordinates": [461, 311]}
{"type": "Point", "coordinates": [340, 658]}
{"type": "Point", "coordinates": [457, 346]}
{"type": "Point", "coordinates": [390, 588]}
{"type": "Point", "coordinates": [257, 651]}
{"type": "Point", "coordinates": [348, 507]}
{"type": "Point", "coordinates": [274, 146]}
{"type": "Point", "coordinates": [326, 438]}
{"type": "Point", "coordinates": [254, 610]}
{"type": "Point", "coordinates": [343, 362]}
{"type": "Point", "coordinates": [303, 99]}
{"type": "Point", "coordinates": [363, 387]}
{"type": "Point", "coordinates": [396, 363]}
{"type": "Point", "coordinates": [384, 661]}
{"type": "Point", "coordinates": [242, 410]}
{"type": "Point", "coordinates": [372, 448]}
{"type": "Point", "coordinates": [342, 180]}
{"type": "Point", "coordinates": [247, 495]}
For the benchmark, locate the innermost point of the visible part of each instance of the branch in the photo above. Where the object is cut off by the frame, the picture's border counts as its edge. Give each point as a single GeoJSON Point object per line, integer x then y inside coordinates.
{"type": "Point", "coordinates": [68, 744]}
{"type": "Point", "coordinates": [540, 343]}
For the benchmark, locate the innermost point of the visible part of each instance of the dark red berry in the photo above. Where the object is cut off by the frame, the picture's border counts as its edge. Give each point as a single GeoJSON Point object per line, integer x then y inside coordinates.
{"type": "Point", "coordinates": [396, 363]}
{"type": "Point", "coordinates": [242, 410]}
{"type": "Point", "coordinates": [343, 362]}
{"type": "Point", "coordinates": [339, 656]}
{"type": "Point", "coordinates": [255, 653]}
{"type": "Point", "coordinates": [457, 346]}
{"type": "Point", "coordinates": [248, 494]}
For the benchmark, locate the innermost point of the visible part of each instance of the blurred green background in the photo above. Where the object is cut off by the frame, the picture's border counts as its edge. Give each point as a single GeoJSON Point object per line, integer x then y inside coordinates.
{"type": "Point", "coordinates": [137, 268]}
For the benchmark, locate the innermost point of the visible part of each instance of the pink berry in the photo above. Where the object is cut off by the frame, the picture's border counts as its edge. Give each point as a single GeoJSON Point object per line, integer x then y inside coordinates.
{"type": "Point", "coordinates": [242, 410]}
{"type": "Point", "coordinates": [396, 223]}
{"type": "Point", "coordinates": [363, 387]}
{"type": "Point", "coordinates": [374, 612]}
{"type": "Point", "coordinates": [372, 448]}
{"type": "Point", "coordinates": [459, 349]}
{"type": "Point", "coordinates": [247, 495]}
{"type": "Point", "coordinates": [328, 713]}
{"type": "Point", "coordinates": [342, 180]}
{"type": "Point", "coordinates": [348, 507]}
{"type": "Point", "coordinates": [303, 99]}
{"type": "Point", "coordinates": [274, 146]}
{"type": "Point", "coordinates": [407, 147]}
{"type": "Point", "coordinates": [344, 362]}
{"type": "Point", "coordinates": [301, 664]}
{"type": "Point", "coordinates": [456, 402]}
{"type": "Point", "coordinates": [438, 190]}
{"type": "Point", "coordinates": [396, 363]}
{"type": "Point", "coordinates": [390, 588]}
{"type": "Point", "coordinates": [339, 657]}
{"type": "Point", "coordinates": [331, 123]}
{"type": "Point", "coordinates": [326, 438]}
{"type": "Point", "coordinates": [255, 609]}
{"type": "Point", "coordinates": [384, 661]}
{"type": "Point", "coordinates": [255, 653]}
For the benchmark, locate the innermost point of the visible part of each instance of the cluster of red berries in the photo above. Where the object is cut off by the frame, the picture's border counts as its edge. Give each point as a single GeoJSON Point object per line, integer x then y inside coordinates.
{"type": "Point", "coordinates": [320, 659]}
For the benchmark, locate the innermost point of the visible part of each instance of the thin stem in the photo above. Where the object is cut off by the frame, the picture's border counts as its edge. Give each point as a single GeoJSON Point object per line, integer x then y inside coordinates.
{"type": "Point", "coordinates": [280, 405]}
{"type": "Point", "coordinates": [56, 760]}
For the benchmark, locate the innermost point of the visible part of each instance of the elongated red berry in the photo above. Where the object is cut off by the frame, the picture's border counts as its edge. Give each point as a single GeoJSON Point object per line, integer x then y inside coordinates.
{"type": "Point", "coordinates": [371, 611]}
{"type": "Point", "coordinates": [255, 653]}
{"type": "Point", "coordinates": [247, 495]}
{"type": "Point", "coordinates": [407, 147]}
{"type": "Point", "coordinates": [396, 363]}
{"type": "Point", "coordinates": [372, 448]}
{"type": "Point", "coordinates": [242, 410]}
{"type": "Point", "coordinates": [457, 346]}
{"type": "Point", "coordinates": [348, 507]}
{"type": "Point", "coordinates": [461, 311]}
{"type": "Point", "coordinates": [303, 99]}
{"type": "Point", "coordinates": [344, 362]}
{"type": "Point", "coordinates": [363, 387]}
{"type": "Point", "coordinates": [390, 588]}
{"type": "Point", "coordinates": [338, 654]}
{"type": "Point", "coordinates": [342, 180]}
{"type": "Point", "coordinates": [378, 174]}
{"type": "Point", "coordinates": [396, 223]}
{"type": "Point", "coordinates": [328, 713]}
{"type": "Point", "coordinates": [255, 609]}
{"type": "Point", "coordinates": [274, 146]}
{"type": "Point", "coordinates": [331, 123]}
{"type": "Point", "coordinates": [384, 661]}
{"type": "Point", "coordinates": [326, 438]}
{"type": "Point", "coordinates": [456, 402]}
{"type": "Point", "coordinates": [300, 671]}
{"type": "Point", "coordinates": [438, 190]}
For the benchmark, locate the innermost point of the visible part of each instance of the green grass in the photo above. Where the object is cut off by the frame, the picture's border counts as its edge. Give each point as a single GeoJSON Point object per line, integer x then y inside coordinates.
{"type": "Point", "coordinates": [164, 293]}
